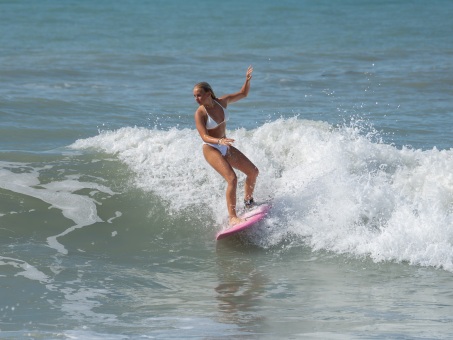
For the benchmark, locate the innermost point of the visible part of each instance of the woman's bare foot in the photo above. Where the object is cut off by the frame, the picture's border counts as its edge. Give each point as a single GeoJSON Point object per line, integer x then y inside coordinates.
{"type": "Point", "coordinates": [235, 220]}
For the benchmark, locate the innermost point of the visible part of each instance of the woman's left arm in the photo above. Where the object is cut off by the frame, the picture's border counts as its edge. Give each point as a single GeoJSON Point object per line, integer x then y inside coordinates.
{"type": "Point", "coordinates": [234, 97]}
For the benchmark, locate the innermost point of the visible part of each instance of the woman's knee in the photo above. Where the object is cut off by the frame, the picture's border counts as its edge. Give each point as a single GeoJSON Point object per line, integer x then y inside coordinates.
{"type": "Point", "coordinates": [231, 179]}
{"type": "Point", "coordinates": [255, 172]}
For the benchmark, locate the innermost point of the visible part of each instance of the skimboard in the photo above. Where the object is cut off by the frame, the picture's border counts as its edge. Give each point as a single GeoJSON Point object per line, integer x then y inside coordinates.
{"type": "Point", "coordinates": [250, 218]}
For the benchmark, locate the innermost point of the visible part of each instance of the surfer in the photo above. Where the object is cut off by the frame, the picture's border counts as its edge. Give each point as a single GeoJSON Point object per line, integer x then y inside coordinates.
{"type": "Point", "coordinates": [210, 120]}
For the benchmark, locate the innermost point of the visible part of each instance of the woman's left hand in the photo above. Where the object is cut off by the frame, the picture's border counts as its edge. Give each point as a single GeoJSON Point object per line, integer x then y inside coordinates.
{"type": "Point", "coordinates": [248, 75]}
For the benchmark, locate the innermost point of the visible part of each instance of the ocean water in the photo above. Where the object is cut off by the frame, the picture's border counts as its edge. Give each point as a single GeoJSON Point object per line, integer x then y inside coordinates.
{"type": "Point", "coordinates": [108, 211]}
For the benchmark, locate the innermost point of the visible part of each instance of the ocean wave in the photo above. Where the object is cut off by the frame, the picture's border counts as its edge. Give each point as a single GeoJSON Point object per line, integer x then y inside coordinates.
{"type": "Point", "coordinates": [333, 188]}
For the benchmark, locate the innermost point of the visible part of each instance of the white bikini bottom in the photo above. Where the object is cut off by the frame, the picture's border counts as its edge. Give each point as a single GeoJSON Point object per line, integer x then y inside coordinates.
{"type": "Point", "coordinates": [222, 148]}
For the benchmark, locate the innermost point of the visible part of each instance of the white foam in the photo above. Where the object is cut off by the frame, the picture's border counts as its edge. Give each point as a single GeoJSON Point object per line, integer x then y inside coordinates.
{"type": "Point", "coordinates": [29, 271]}
{"type": "Point", "coordinates": [80, 304]}
{"type": "Point", "coordinates": [117, 214]}
{"type": "Point", "coordinates": [333, 188]}
{"type": "Point", "coordinates": [168, 163]}
{"type": "Point", "coordinates": [78, 208]}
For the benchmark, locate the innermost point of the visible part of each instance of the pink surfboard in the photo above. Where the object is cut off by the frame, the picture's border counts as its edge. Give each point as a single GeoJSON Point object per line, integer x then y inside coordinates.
{"type": "Point", "coordinates": [250, 218]}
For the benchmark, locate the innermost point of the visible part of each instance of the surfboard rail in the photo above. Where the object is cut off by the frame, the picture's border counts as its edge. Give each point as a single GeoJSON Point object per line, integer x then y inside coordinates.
{"type": "Point", "coordinates": [250, 218]}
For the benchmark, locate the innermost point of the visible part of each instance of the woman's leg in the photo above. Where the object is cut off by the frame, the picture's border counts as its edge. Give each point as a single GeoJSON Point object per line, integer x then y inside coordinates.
{"type": "Point", "coordinates": [239, 161]}
{"type": "Point", "coordinates": [220, 164]}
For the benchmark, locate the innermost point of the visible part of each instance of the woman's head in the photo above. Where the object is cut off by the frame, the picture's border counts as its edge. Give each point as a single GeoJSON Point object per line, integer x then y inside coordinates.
{"type": "Point", "coordinates": [206, 88]}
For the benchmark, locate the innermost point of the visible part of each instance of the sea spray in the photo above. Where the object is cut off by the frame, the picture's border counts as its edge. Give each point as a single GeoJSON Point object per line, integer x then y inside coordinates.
{"type": "Point", "coordinates": [333, 188]}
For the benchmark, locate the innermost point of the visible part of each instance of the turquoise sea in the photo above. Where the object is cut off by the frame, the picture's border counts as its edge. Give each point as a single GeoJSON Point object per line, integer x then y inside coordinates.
{"type": "Point", "coordinates": [108, 210]}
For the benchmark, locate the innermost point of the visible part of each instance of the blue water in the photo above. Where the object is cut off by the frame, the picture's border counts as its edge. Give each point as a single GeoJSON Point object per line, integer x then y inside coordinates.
{"type": "Point", "coordinates": [108, 211]}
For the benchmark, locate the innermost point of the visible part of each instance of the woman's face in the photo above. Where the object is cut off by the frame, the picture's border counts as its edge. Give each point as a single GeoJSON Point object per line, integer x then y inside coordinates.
{"type": "Point", "coordinates": [200, 95]}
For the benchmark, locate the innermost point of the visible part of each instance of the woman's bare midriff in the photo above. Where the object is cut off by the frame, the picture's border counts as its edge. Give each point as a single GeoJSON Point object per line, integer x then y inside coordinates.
{"type": "Point", "coordinates": [217, 132]}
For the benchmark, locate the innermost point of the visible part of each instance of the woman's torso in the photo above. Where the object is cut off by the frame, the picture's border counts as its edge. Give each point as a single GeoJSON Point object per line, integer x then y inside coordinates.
{"type": "Point", "coordinates": [216, 118]}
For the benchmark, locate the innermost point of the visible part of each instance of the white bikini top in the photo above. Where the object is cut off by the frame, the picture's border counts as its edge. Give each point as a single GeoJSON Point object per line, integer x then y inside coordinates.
{"type": "Point", "coordinates": [211, 123]}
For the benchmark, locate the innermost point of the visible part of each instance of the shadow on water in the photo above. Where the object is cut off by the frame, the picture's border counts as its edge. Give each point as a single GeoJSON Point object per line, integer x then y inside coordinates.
{"type": "Point", "coordinates": [241, 284]}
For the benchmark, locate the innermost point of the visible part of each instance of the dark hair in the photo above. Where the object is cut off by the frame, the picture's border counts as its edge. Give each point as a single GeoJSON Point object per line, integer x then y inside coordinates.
{"type": "Point", "coordinates": [206, 87]}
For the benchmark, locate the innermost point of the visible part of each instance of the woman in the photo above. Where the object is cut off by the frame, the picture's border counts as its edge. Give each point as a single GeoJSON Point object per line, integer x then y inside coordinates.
{"type": "Point", "coordinates": [210, 119]}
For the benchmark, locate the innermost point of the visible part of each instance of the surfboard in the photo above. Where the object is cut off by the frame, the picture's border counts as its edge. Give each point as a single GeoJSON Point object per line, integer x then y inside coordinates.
{"type": "Point", "coordinates": [250, 218]}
